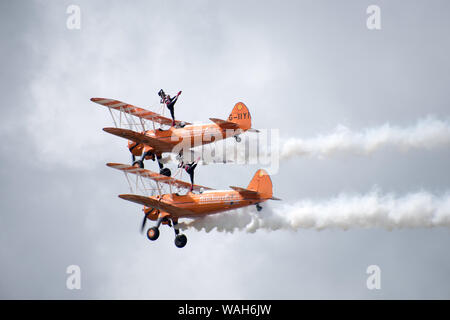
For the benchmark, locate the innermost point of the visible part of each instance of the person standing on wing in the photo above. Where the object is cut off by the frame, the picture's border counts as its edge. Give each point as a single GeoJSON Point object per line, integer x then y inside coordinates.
{"type": "Point", "coordinates": [190, 167]}
{"type": "Point", "coordinates": [169, 102]}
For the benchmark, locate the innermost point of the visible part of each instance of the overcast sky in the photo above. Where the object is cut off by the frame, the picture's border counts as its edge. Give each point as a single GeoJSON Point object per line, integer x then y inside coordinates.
{"type": "Point", "coordinates": [303, 67]}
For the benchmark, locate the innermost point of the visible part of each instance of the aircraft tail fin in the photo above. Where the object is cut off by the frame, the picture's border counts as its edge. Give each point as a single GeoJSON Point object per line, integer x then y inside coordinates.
{"type": "Point", "coordinates": [241, 116]}
{"type": "Point", "coordinates": [261, 183]}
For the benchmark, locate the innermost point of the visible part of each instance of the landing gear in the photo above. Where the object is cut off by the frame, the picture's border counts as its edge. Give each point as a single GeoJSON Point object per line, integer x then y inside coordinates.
{"type": "Point", "coordinates": [148, 156]}
{"type": "Point", "coordinates": [238, 139]}
{"type": "Point", "coordinates": [258, 207]}
{"type": "Point", "coordinates": [162, 170]}
{"type": "Point", "coordinates": [138, 163]}
{"type": "Point", "coordinates": [165, 172]}
{"type": "Point", "coordinates": [153, 233]}
{"type": "Point", "coordinates": [180, 240]}
{"type": "Point", "coordinates": [160, 164]}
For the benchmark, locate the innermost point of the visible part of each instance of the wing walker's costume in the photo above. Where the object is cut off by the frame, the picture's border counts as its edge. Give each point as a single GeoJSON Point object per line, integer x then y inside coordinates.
{"type": "Point", "coordinates": [169, 102]}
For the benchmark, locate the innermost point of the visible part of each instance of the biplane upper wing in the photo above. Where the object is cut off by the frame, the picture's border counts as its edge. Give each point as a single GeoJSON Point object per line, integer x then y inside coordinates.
{"type": "Point", "coordinates": [135, 111]}
{"type": "Point", "coordinates": [157, 204]}
{"type": "Point", "coordinates": [225, 124]}
{"type": "Point", "coordinates": [155, 176]}
{"type": "Point", "coordinates": [137, 137]}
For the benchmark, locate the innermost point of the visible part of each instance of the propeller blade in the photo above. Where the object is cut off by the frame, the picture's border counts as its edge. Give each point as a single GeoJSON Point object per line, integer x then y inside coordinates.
{"type": "Point", "coordinates": [145, 220]}
{"type": "Point", "coordinates": [143, 224]}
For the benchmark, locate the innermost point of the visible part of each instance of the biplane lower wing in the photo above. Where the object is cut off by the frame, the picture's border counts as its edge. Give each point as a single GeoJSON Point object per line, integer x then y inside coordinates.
{"type": "Point", "coordinates": [135, 111]}
{"type": "Point", "coordinates": [158, 145]}
{"type": "Point", "coordinates": [155, 176]}
{"type": "Point", "coordinates": [152, 203]}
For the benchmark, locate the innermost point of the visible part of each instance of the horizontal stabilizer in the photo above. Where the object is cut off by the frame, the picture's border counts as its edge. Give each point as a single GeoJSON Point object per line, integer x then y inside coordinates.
{"type": "Point", "coordinates": [243, 190]}
{"type": "Point", "coordinates": [251, 192]}
{"type": "Point", "coordinates": [225, 124]}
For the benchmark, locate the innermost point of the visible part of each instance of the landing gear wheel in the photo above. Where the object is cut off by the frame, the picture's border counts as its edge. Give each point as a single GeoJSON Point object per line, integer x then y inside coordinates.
{"type": "Point", "coordinates": [165, 172]}
{"type": "Point", "coordinates": [238, 139]}
{"type": "Point", "coordinates": [138, 163]}
{"type": "Point", "coordinates": [180, 240]}
{"type": "Point", "coordinates": [153, 233]}
{"type": "Point", "coordinates": [258, 207]}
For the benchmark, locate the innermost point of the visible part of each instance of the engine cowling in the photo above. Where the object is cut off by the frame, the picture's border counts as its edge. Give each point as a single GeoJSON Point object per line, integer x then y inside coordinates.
{"type": "Point", "coordinates": [155, 214]}
{"type": "Point", "coordinates": [135, 148]}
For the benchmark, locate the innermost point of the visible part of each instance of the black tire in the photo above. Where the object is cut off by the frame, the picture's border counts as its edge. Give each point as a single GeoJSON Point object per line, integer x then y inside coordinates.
{"type": "Point", "coordinates": [165, 172]}
{"type": "Point", "coordinates": [180, 240]}
{"type": "Point", "coordinates": [140, 163]}
{"type": "Point", "coordinates": [238, 139]}
{"type": "Point", "coordinates": [258, 207]}
{"type": "Point", "coordinates": [153, 233]}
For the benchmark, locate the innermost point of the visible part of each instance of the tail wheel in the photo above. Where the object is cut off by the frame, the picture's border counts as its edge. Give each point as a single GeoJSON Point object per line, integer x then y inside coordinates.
{"type": "Point", "coordinates": [180, 240]}
{"type": "Point", "coordinates": [153, 233]}
{"type": "Point", "coordinates": [258, 207]}
{"type": "Point", "coordinates": [238, 139]}
{"type": "Point", "coordinates": [165, 172]}
{"type": "Point", "coordinates": [138, 163]}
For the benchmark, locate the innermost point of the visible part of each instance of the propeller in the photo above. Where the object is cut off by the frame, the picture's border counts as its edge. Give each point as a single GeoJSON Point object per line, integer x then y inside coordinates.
{"type": "Point", "coordinates": [145, 220]}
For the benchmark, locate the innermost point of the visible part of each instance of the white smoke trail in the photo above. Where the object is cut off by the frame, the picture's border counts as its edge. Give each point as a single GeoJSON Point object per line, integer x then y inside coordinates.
{"type": "Point", "coordinates": [372, 210]}
{"type": "Point", "coordinates": [427, 133]}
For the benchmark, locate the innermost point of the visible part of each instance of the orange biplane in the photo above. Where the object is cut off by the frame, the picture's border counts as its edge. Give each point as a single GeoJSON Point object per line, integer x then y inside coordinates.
{"type": "Point", "coordinates": [149, 144]}
{"type": "Point", "coordinates": [167, 208]}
